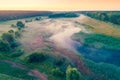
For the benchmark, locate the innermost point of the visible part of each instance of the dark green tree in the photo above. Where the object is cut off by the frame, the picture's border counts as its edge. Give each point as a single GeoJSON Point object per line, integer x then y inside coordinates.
{"type": "Point", "coordinates": [4, 46]}
{"type": "Point", "coordinates": [37, 57]}
{"type": "Point", "coordinates": [20, 24]}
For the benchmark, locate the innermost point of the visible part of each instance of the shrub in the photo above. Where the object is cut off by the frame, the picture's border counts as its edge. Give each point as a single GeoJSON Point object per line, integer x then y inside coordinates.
{"type": "Point", "coordinates": [18, 53]}
{"type": "Point", "coordinates": [37, 18]}
{"type": "Point", "coordinates": [13, 25]}
{"type": "Point", "coordinates": [11, 31]}
{"type": "Point", "coordinates": [28, 20]}
{"type": "Point", "coordinates": [57, 72]}
{"type": "Point", "coordinates": [37, 57]}
{"type": "Point", "coordinates": [59, 61]}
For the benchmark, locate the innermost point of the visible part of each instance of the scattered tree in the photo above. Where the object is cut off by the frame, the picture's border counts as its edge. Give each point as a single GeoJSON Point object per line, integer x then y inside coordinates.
{"type": "Point", "coordinates": [73, 74]}
{"type": "Point", "coordinates": [4, 46]}
{"type": "Point", "coordinates": [20, 24]}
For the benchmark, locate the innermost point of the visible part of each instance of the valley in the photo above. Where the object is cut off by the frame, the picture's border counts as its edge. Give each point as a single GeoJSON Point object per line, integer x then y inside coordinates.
{"type": "Point", "coordinates": [48, 47]}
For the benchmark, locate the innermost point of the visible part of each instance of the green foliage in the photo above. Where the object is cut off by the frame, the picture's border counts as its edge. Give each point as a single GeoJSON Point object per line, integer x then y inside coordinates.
{"type": "Point", "coordinates": [13, 25]}
{"type": "Point", "coordinates": [9, 38]}
{"type": "Point", "coordinates": [29, 20]}
{"type": "Point", "coordinates": [37, 57]}
{"type": "Point", "coordinates": [98, 40]}
{"type": "Point", "coordinates": [63, 15]}
{"type": "Point", "coordinates": [37, 18]}
{"type": "Point", "coordinates": [57, 72]}
{"type": "Point", "coordinates": [59, 61]}
{"type": "Point", "coordinates": [20, 24]}
{"type": "Point", "coordinates": [73, 74]}
{"type": "Point", "coordinates": [106, 71]}
{"type": "Point", "coordinates": [18, 53]}
{"type": "Point", "coordinates": [4, 46]}
{"type": "Point", "coordinates": [7, 69]}
{"type": "Point", "coordinates": [7, 77]}
{"type": "Point", "coordinates": [111, 16]}
{"type": "Point", "coordinates": [11, 31]}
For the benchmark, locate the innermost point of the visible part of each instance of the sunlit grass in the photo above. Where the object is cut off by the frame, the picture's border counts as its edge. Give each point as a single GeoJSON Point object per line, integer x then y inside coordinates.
{"type": "Point", "coordinates": [102, 27]}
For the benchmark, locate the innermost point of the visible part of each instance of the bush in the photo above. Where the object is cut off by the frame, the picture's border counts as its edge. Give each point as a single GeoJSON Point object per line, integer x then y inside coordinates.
{"type": "Point", "coordinates": [13, 25]}
{"type": "Point", "coordinates": [18, 53]}
{"type": "Point", "coordinates": [37, 18]}
{"type": "Point", "coordinates": [57, 72]}
{"type": "Point", "coordinates": [37, 57]}
{"type": "Point", "coordinates": [59, 61]}
{"type": "Point", "coordinates": [11, 31]}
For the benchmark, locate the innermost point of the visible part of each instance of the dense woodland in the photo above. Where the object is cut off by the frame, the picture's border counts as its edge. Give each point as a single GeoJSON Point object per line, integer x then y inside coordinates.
{"type": "Point", "coordinates": [107, 16]}
{"type": "Point", "coordinates": [12, 15]}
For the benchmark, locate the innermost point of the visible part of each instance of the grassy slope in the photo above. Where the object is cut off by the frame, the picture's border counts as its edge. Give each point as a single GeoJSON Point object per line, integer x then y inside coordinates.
{"type": "Point", "coordinates": [7, 77]}
{"type": "Point", "coordinates": [101, 27]}
{"type": "Point", "coordinates": [12, 72]}
{"type": "Point", "coordinates": [103, 35]}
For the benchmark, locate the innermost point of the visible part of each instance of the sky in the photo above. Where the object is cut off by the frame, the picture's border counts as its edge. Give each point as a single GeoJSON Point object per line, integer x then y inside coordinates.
{"type": "Point", "coordinates": [60, 5]}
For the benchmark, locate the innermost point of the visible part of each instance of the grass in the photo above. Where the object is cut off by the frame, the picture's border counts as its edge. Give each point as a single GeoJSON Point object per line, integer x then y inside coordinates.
{"type": "Point", "coordinates": [7, 77]}
{"type": "Point", "coordinates": [7, 69]}
{"type": "Point", "coordinates": [98, 40]}
{"type": "Point", "coordinates": [101, 27]}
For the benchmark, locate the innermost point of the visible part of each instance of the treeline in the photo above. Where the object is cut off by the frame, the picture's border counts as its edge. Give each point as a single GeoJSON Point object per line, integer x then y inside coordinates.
{"type": "Point", "coordinates": [12, 15]}
{"type": "Point", "coordinates": [108, 16]}
{"type": "Point", "coordinates": [63, 15]}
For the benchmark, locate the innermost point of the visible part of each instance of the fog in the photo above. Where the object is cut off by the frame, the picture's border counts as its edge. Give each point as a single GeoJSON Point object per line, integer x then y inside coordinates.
{"type": "Point", "coordinates": [60, 29]}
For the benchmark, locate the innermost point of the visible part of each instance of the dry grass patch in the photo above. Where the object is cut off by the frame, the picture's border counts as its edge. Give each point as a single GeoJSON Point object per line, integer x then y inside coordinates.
{"type": "Point", "coordinates": [102, 27]}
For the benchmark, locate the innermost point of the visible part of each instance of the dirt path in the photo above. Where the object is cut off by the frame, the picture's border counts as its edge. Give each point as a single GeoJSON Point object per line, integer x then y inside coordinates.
{"type": "Point", "coordinates": [34, 72]}
{"type": "Point", "coordinates": [39, 75]}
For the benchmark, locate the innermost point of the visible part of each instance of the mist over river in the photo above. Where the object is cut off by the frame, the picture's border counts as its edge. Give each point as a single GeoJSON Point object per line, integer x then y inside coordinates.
{"type": "Point", "coordinates": [62, 30]}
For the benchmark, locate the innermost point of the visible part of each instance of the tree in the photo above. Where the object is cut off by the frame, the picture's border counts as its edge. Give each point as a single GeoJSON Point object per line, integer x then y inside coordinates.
{"type": "Point", "coordinates": [73, 74]}
{"type": "Point", "coordinates": [37, 57]}
{"type": "Point", "coordinates": [10, 39]}
{"type": "Point", "coordinates": [4, 46]}
{"type": "Point", "coordinates": [20, 24]}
